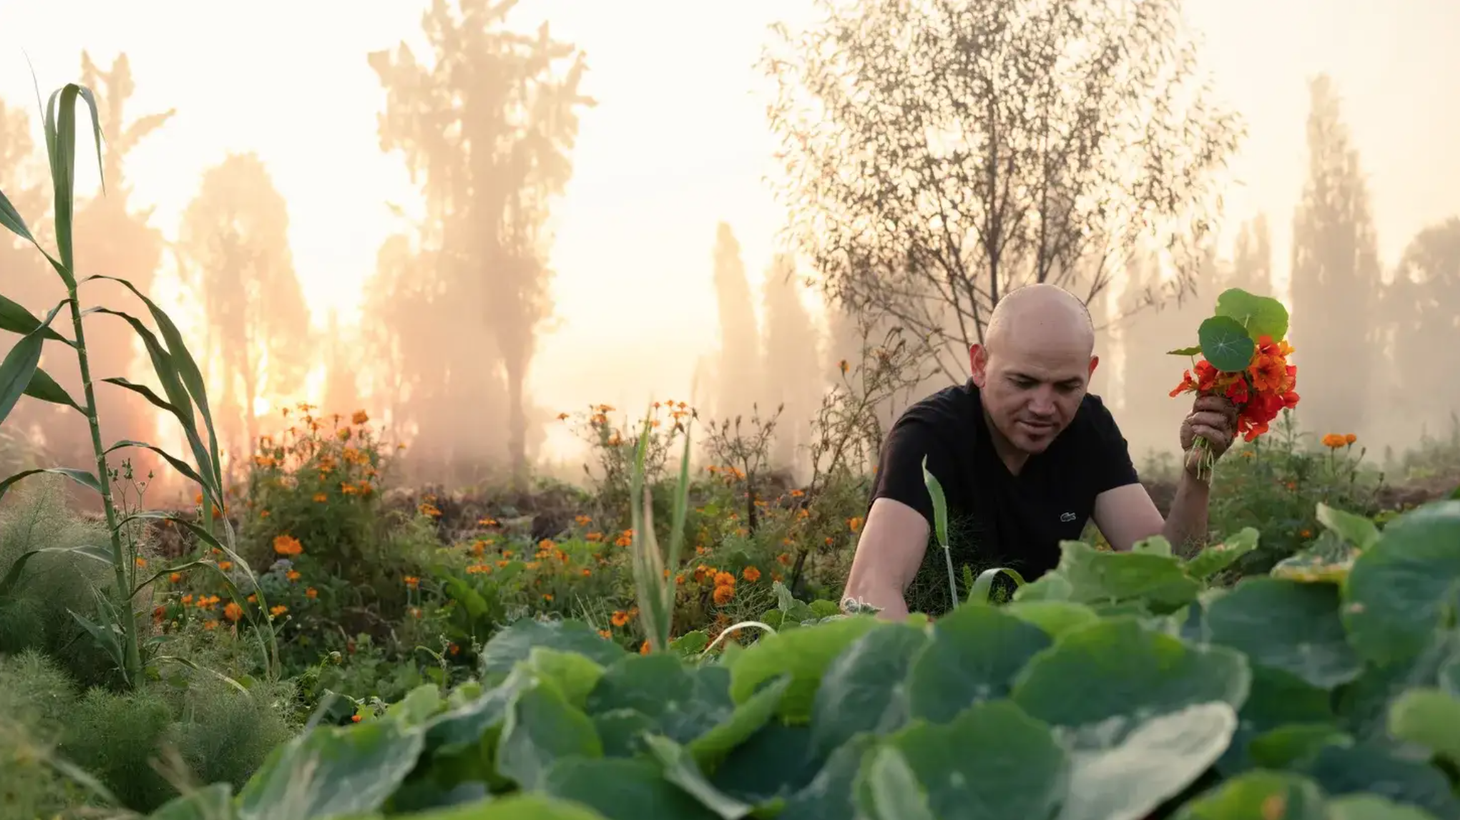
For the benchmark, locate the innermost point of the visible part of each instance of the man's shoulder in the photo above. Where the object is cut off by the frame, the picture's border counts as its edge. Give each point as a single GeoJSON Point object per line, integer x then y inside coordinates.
{"type": "Point", "coordinates": [945, 412]}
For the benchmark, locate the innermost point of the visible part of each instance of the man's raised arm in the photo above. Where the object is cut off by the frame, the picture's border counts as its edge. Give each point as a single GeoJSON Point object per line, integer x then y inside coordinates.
{"type": "Point", "coordinates": [889, 552]}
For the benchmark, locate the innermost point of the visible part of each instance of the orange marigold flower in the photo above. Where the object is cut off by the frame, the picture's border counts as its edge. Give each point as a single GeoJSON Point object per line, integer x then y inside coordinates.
{"type": "Point", "coordinates": [320, 498]}
{"type": "Point", "coordinates": [187, 599]}
{"type": "Point", "coordinates": [176, 577]}
{"type": "Point", "coordinates": [587, 572]}
{"type": "Point", "coordinates": [619, 618]}
{"type": "Point", "coordinates": [724, 595]}
{"type": "Point", "coordinates": [287, 545]}
{"type": "Point", "coordinates": [233, 611]}
{"type": "Point", "coordinates": [605, 634]}
{"type": "Point", "coordinates": [210, 624]}
{"type": "Point", "coordinates": [854, 524]}
{"type": "Point", "coordinates": [644, 648]}
{"type": "Point", "coordinates": [141, 562]}
{"type": "Point", "coordinates": [360, 417]}
{"type": "Point", "coordinates": [311, 593]}
{"type": "Point", "coordinates": [412, 581]}
{"type": "Point", "coordinates": [784, 559]}
{"type": "Point", "coordinates": [750, 574]}
{"type": "Point", "coordinates": [583, 520]}
{"type": "Point", "coordinates": [278, 610]}
{"type": "Point", "coordinates": [225, 565]}
{"type": "Point", "coordinates": [292, 575]}
{"type": "Point", "coordinates": [1333, 441]}
{"type": "Point", "coordinates": [1350, 438]}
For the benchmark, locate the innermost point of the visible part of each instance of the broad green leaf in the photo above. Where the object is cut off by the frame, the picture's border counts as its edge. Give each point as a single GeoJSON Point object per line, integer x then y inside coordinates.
{"type": "Point", "coordinates": [512, 645]}
{"type": "Point", "coordinates": [1153, 760]}
{"type": "Point", "coordinates": [1355, 529]}
{"type": "Point", "coordinates": [1276, 700]}
{"type": "Point", "coordinates": [975, 653]}
{"type": "Point", "coordinates": [803, 653]}
{"type": "Point", "coordinates": [1097, 577]}
{"type": "Point", "coordinates": [622, 731]}
{"type": "Point", "coordinates": [542, 728]}
{"type": "Point", "coordinates": [1259, 315]}
{"type": "Point", "coordinates": [17, 567]}
{"type": "Point", "coordinates": [1286, 625]}
{"type": "Point", "coordinates": [81, 477]}
{"type": "Point", "coordinates": [890, 791]}
{"type": "Point", "coordinates": [512, 807]}
{"type": "Point", "coordinates": [865, 688]}
{"type": "Point", "coordinates": [1055, 618]}
{"type": "Point", "coordinates": [1285, 746]}
{"type": "Point", "coordinates": [332, 771]}
{"type": "Point", "coordinates": [622, 789]}
{"type": "Point", "coordinates": [1225, 343]}
{"type": "Point", "coordinates": [575, 675]}
{"type": "Point", "coordinates": [993, 761]}
{"type": "Point", "coordinates": [16, 319]}
{"type": "Point", "coordinates": [1400, 589]}
{"type": "Point", "coordinates": [681, 702]}
{"type": "Point", "coordinates": [1259, 795]}
{"type": "Point", "coordinates": [1185, 351]}
{"type": "Point", "coordinates": [11, 219]}
{"type": "Point", "coordinates": [1327, 560]}
{"type": "Point", "coordinates": [213, 802]}
{"type": "Point", "coordinates": [940, 504]}
{"type": "Point", "coordinates": [1216, 557]}
{"type": "Point", "coordinates": [418, 707]}
{"type": "Point", "coordinates": [828, 795]}
{"type": "Point", "coordinates": [181, 366]}
{"type": "Point", "coordinates": [1352, 770]}
{"type": "Point", "coordinates": [19, 365]}
{"type": "Point", "coordinates": [680, 769]}
{"type": "Point", "coordinates": [1430, 718]}
{"type": "Point", "coordinates": [178, 403]}
{"type": "Point", "coordinates": [690, 643]}
{"type": "Point", "coordinates": [1115, 668]}
{"type": "Point", "coordinates": [177, 463]}
{"type": "Point", "coordinates": [43, 387]}
{"type": "Point", "coordinates": [1373, 807]}
{"type": "Point", "coordinates": [748, 718]}
{"type": "Point", "coordinates": [478, 721]}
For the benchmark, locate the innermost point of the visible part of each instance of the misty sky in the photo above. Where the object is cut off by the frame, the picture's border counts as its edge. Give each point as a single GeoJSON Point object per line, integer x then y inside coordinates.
{"type": "Point", "coordinates": [677, 143]}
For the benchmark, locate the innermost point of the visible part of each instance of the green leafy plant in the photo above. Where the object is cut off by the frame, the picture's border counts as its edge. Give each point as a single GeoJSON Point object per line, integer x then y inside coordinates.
{"type": "Point", "coordinates": [184, 397]}
{"type": "Point", "coordinates": [1117, 686]}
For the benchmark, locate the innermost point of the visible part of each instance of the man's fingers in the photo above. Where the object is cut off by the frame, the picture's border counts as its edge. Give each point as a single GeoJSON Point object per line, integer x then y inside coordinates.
{"type": "Point", "coordinates": [1215, 404]}
{"type": "Point", "coordinates": [1214, 435]}
{"type": "Point", "coordinates": [1212, 420]}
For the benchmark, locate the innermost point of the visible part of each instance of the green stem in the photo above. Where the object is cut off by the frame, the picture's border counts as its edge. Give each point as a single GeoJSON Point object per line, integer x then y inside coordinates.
{"type": "Point", "coordinates": [952, 577]}
{"type": "Point", "coordinates": [131, 655]}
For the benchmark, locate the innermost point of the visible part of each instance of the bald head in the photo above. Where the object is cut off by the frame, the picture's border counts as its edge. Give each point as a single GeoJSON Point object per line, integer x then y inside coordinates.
{"type": "Point", "coordinates": [1040, 316]}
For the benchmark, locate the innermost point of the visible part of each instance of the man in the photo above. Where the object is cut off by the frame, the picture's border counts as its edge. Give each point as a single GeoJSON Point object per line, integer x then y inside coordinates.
{"type": "Point", "coordinates": [1026, 456]}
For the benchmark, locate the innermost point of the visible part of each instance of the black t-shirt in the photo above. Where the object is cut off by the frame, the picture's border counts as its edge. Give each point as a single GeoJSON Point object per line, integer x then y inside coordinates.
{"type": "Point", "coordinates": [995, 518]}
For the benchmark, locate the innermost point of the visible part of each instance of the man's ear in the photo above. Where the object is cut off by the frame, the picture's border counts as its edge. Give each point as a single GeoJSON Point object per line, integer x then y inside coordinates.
{"type": "Point", "coordinates": [1094, 362]}
{"type": "Point", "coordinates": [978, 362]}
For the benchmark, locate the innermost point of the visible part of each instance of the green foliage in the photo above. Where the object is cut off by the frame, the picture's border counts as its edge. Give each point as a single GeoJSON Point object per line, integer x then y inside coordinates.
{"type": "Point", "coordinates": [1225, 343]}
{"type": "Point", "coordinates": [1115, 687]}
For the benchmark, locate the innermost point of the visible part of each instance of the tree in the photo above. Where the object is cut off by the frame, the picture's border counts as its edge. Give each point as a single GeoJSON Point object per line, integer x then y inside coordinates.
{"type": "Point", "coordinates": [739, 373]}
{"type": "Point", "coordinates": [1419, 309]}
{"type": "Point", "coordinates": [792, 364]}
{"type": "Point", "coordinates": [1252, 258]}
{"type": "Point", "coordinates": [938, 153]}
{"type": "Point", "coordinates": [233, 248]}
{"type": "Point", "coordinates": [489, 125]}
{"type": "Point", "coordinates": [1335, 275]}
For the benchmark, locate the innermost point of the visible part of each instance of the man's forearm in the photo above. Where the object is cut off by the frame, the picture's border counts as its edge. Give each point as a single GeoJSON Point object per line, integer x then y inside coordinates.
{"type": "Point", "coordinates": [1186, 523]}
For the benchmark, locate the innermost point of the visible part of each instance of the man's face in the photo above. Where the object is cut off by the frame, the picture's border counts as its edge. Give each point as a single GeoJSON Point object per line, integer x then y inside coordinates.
{"type": "Point", "coordinates": [1032, 388]}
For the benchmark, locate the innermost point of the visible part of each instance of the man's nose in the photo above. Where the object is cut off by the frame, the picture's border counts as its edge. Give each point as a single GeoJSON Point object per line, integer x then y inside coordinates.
{"type": "Point", "coordinates": [1042, 402]}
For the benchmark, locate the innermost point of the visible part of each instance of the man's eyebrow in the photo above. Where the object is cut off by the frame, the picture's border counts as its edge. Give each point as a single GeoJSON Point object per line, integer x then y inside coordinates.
{"type": "Point", "coordinates": [1015, 374]}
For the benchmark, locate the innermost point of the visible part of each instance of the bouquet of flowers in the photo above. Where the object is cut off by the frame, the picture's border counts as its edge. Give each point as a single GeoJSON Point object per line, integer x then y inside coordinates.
{"type": "Point", "coordinates": [1244, 356]}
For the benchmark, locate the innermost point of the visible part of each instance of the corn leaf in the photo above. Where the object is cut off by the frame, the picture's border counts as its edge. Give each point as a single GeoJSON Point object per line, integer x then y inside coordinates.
{"type": "Point", "coordinates": [177, 463]}
{"type": "Point", "coordinates": [43, 387]}
{"type": "Point", "coordinates": [16, 319]}
{"type": "Point", "coordinates": [20, 365]}
{"type": "Point", "coordinates": [12, 576]}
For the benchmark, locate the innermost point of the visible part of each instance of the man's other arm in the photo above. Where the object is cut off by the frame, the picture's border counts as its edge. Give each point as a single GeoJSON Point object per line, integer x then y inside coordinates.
{"type": "Point", "coordinates": [889, 552]}
{"type": "Point", "coordinates": [894, 538]}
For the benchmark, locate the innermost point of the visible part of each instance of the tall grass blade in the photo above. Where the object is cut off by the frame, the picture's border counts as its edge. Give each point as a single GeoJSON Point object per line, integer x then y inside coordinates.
{"type": "Point", "coordinates": [10, 218]}
{"type": "Point", "coordinates": [81, 477]}
{"type": "Point", "coordinates": [16, 319]}
{"type": "Point", "coordinates": [20, 365]}
{"type": "Point", "coordinates": [45, 388]}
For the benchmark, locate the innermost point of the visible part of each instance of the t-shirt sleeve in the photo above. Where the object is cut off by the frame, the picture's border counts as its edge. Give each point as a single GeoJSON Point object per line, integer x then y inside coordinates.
{"type": "Point", "coordinates": [1112, 455]}
{"type": "Point", "coordinates": [900, 466]}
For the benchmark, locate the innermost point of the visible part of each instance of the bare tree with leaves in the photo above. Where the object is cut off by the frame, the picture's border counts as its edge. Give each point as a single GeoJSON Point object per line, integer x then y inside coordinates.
{"type": "Point", "coordinates": [938, 153]}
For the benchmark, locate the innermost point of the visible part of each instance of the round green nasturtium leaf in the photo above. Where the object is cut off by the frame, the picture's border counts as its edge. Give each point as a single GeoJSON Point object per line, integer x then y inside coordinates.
{"type": "Point", "coordinates": [1401, 588]}
{"type": "Point", "coordinates": [1124, 769]}
{"type": "Point", "coordinates": [975, 653]}
{"type": "Point", "coordinates": [1286, 625]}
{"type": "Point", "coordinates": [993, 761]}
{"type": "Point", "coordinates": [1259, 794]}
{"type": "Point", "coordinates": [1429, 717]}
{"type": "Point", "coordinates": [1225, 343]}
{"type": "Point", "coordinates": [1259, 315]}
{"type": "Point", "coordinates": [1373, 807]}
{"type": "Point", "coordinates": [1117, 668]}
{"type": "Point", "coordinates": [864, 689]}
{"type": "Point", "coordinates": [805, 654]}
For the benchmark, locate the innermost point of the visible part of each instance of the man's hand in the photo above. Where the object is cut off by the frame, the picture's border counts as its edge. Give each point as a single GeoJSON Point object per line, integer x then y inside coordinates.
{"type": "Point", "coordinates": [1213, 418]}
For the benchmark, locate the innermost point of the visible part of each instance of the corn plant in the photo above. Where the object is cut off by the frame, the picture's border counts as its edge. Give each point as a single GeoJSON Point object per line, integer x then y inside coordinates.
{"type": "Point", "coordinates": [980, 589]}
{"type": "Point", "coordinates": [653, 577]}
{"type": "Point", "coordinates": [184, 397]}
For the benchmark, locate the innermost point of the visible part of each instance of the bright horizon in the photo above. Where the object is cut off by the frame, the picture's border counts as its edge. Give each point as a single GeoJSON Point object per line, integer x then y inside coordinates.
{"type": "Point", "coordinates": [677, 143]}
